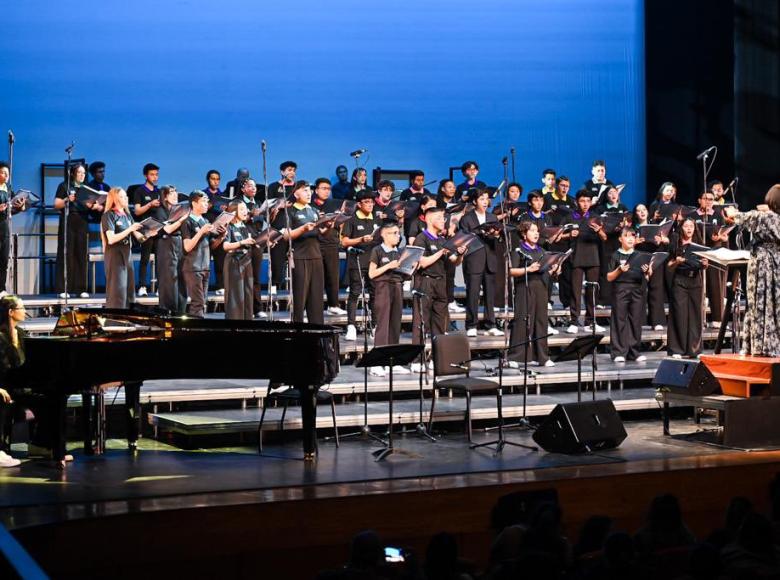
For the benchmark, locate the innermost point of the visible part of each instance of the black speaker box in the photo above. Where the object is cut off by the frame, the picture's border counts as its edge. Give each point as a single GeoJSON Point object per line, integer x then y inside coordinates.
{"type": "Point", "coordinates": [581, 427]}
{"type": "Point", "coordinates": [752, 423]}
{"type": "Point", "coordinates": [686, 376]}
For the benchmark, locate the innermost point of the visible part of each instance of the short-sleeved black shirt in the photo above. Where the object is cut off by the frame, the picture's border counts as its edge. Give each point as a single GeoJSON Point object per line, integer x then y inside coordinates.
{"type": "Point", "coordinates": [200, 257]}
{"type": "Point", "coordinates": [380, 257]}
{"type": "Point", "coordinates": [634, 275]}
{"type": "Point", "coordinates": [117, 222]}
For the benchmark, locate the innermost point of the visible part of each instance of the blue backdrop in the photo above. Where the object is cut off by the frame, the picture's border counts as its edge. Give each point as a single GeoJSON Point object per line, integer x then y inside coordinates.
{"type": "Point", "coordinates": [194, 84]}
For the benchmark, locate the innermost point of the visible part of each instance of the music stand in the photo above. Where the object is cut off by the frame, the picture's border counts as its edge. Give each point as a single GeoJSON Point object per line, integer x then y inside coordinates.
{"type": "Point", "coordinates": [390, 355]}
{"type": "Point", "coordinates": [576, 349]}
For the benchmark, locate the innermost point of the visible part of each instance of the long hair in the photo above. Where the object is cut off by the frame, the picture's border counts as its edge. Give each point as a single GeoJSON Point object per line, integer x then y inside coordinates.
{"type": "Point", "coordinates": [112, 202]}
{"type": "Point", "coordinates": [7, 303]}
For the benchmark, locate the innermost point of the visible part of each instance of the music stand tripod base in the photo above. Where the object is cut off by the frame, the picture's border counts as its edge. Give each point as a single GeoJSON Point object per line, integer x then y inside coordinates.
{"type": "Point", "coordinates": [389, 356]}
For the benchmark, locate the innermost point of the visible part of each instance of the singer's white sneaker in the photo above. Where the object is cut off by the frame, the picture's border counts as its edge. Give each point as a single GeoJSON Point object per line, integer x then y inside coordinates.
{"type": "Point", "coordinates": [8, 461]}
{"type": "Point", "coordinates": [336, 311]}
{"type": "Point", "coordinates": [512, 364]}
{"type": "Point", "coordinates": [573, 329]}
{"type": "Point", "coordinates": [549, 363]}
{"type": "Point", "coordinates": [494, 332]}
{"type": "Point", "coordinates": [351, 333]}
{"type": "Point", "coordinates": [455, 307]}
{"type": "Point", "coordinates": [142, 291]}
{"type": "Point", "coordinates": [399, 370]}
{"type": "Point", "coordinates": [377, 372]}
{"type": "Point", "coordinates": [595, 327]}
{"type": "Point", "coordinates": [219, 292]}
{"type": "Point", "coordinates": [84, 295]}
{"type": "Point", "coordinates": [551, 330]}
{"type": "Point", "coordinates": [63, 295]}
{"type": "Point", "coordinates": [471, 332]}
{"type": "Point", "coordinates": [619, 359]}
{"type": "Point", "coordinates": [417, 368]}
{"type": "Point", "coordinates": [658, 327]}
{"type": "Point", "coordinates": [641, 358]}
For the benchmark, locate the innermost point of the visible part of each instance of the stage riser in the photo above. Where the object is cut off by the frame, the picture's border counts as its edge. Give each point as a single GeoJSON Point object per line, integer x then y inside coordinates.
{"type": "Point", "coordinates": [300, 536]}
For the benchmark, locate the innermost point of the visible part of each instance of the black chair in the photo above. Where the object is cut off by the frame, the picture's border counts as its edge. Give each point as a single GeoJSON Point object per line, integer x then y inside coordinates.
{"type": "Point", "coordinates": [451, 358]}
{"type": "Point", "coordinates": [289, 395]}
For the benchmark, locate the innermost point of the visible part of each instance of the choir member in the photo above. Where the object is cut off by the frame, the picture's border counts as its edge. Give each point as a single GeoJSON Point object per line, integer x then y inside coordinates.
{"type": "Point", "coordinates": [508, 212]}
{"type": "Point", "coordinates": [598, 183]}
{"type": "Point", "coordinates": [233, 187]}
{"type": "Point", "coordinates": [535, 212]}
{"type": "Point", "coordinates": [77, 229]}
{"type": "Point", "coordinates": [6, 209]}
{"type": "Point", "coordinates": [559, 197]}
{"type": "Point", "coordinates": [479, 267]}
{"type": "Point", "coordinates": [656, 287]}
{"type": "Point", "coordinates": [357, 236]}
{"type": "Point", "coordinates": [608, 204]}
{"type": "Point", "coordinates": [629, 280]}
{"type": "Point", "coordinates": [358, 183]}
{"type": "Point", "coordinates": [384, 196]}
{"type": "Point", "coordinates": [281, 189]}
{"type": "Point", "coordinates": [216, 206]}
{"type": "Point", "coordinates": [118, 229]}
{"type": "Point", "coordinates": [430, 306]}
{"type": "Point", "coordinates": [685, 306]}
{"type": "Point", "coordinates": [585, 241]}
{"type": "Point", "coordinates": [238, 265]}
{"type": "Point", "coordinates": [530, 311]}
{"type": "Point", "coordinates": [470, 170]}
{"type": "Point", "coordinates": [255, 223]}
{"type": "Point", "coordinates": [384, 261]}
{"type": "Point", "coordinates": [417, 225]}
{"type": "Point", "coordinates": [170, 251]}
{"type": "Point", "coordinates": [48, 429]}
{"type": "Point", "coordinates": [341, 187]}
{"type": "Point", "coordinates": [548, 190]}
{"type": "Point", "coordinates": [708, 225]}
{"type": "Point", "coordinates": [146, 198]}
{"type": "Point", "coordinates": [329, 243]}
{"type": "Point", "coordinates": [667, 195]}
{"type": "Point", "coordinates": [716, 187]}
{"type": "Point", "coordinates": [445, 199]}
{"type": "Point", "coordinates": [196, 264]}
{"type": "Point", "coordinates": [416, 188]}
{"type": "Point", "coordinates": [97, 169]}
{"type": "Point", "coordinates": [300, 229]}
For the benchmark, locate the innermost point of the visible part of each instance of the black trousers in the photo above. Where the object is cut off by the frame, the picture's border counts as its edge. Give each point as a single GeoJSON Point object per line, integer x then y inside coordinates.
{"type": "Point", "coordinates": [657, 293]}
{"type": "Point", "coordinates": [628, 313]}
{"type": "Point", "coordinates": [474, 282]}
{"type": "Point", "coordinates": [685, 317]}
{"type": "Point", "coordinates": [500, 278]}
{"type": "Point", "coordinates": [5, 252]}
{"type": "Point", "coordinates": [197, 284]}
{"type": "Point", "coordinates": [78, 246]}
{"type": "Point", "coordinates": [218, 254]}
{"type": "Point", "coordinates": [171, 287]}
{"type": "Point", "coordinates": [431, 308]}
{"type": "Point", "coordinates": [48, 430]}
{"type": "Point", "coordinates": [564, 278]}
{"type": "Point", "coordinates": [578, 275]}
{"type": "Point", "coordinates": [536, 309]}
{"type": "Point", "coordinates": [330, 265]}
{"type": "Point", "coordinates": [450, 269]}
{"type": "Point", "coordinates": [716, 292]}
{"type": "Point", "coordinates": [120, 287]}
{"type": "Point", "coordinates": [388, 305]}
{"type": "Point", "coordinates": [257, 288]}
{"type": "Point", "coordinates": [355, 276]}
{"type": "Point", "coordinates": [238, 286]}
{"type": "Point", "coordinates": [143, 264]}
{"type": "Point", "coordinates": [279, 265]}
{"type": "Point", "coordinates": [308, 282]}
{"type": "Point", "coordinates": [606, 250]}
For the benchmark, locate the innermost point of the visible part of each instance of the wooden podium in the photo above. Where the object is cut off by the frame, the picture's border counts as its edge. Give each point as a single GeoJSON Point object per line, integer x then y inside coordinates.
{"type": "Point", "coordinates": [745, 375]}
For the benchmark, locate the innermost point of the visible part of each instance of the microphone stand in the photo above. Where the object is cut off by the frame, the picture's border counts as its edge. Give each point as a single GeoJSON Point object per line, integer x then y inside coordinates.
{"type": "Point", "coordinates": [594, 365]}
{"type": "Point", "coordinates": [264, 149]}
{"type": "Point", "coordinates": [66, 219]}
{"type": "Point", "coordinates": [290, 254]}
{"type": "Point", "coordinates": [11, 248]}
{"type": "Point", "coordinates": [421, 428]}
{"type": "Point", "coordinates": [512, 153]}
{"type": "Point", "coordinates": [705, 173]}
{"type": "Point", "coordinates": [365, 430]}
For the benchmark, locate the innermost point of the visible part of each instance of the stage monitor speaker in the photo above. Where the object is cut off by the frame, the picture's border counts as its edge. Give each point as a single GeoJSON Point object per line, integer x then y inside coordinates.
{"type": "Point", "coordinates": [581, 427]}
{"type": "Point", "coordinates": [686, 376]}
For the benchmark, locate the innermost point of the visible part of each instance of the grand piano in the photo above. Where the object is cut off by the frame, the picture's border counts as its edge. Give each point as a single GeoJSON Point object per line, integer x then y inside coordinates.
{"type": "Point", "coordinates": [92, 347]}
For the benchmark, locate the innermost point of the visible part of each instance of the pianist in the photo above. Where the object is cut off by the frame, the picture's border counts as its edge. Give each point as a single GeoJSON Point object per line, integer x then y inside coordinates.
{"type": "Point", "coordinates": [48, 429]}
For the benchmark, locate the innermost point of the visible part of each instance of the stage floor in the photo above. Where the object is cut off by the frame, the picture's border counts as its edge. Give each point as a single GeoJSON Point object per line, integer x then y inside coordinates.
{"type": "Point", "coordinates": [161, 477]}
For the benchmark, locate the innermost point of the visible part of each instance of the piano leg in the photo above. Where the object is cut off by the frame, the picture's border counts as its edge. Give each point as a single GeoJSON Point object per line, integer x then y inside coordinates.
{"type": "Point", "coordinates": [309, 417]}
{"type": "Point", "coordinates": [87, 421]}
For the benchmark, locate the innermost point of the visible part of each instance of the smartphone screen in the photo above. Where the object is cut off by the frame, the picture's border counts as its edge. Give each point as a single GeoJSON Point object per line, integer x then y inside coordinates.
{"type": "Point", "coordinates": [393, 554]}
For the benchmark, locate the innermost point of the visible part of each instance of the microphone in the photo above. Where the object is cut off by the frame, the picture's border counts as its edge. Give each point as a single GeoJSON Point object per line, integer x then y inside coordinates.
{"type": "Point", "coordinates": [357, 153]}
{"type": "Point", "coordinates": [512, 151]}
{"type": "Point", "coordinates": [69, 149]}
{"type": "Point", "coordinates": [705, 153]}
{"type": "Point", "coordinates": [263, 145]}
{"type": "Point", "coordinates": [11, 137]}
{"type": "Point", "coordinates": [419, 293]}
{"type": "Point", "coordinates": [524, 255]}
{"type": "Point", "coordinates": [504, 160]}
{"type": "Point", "coordinates": [354, 250]}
